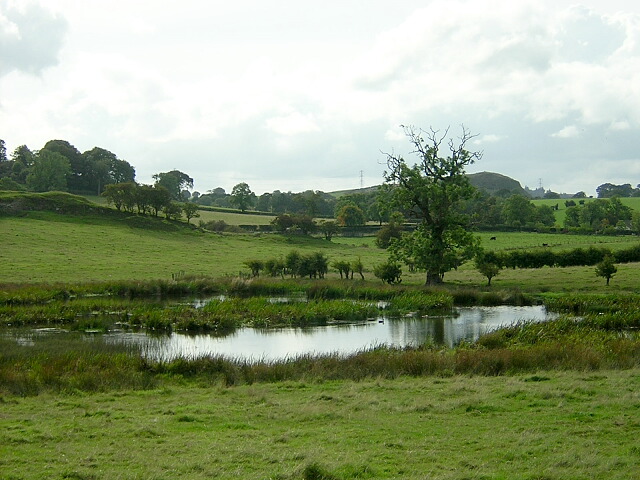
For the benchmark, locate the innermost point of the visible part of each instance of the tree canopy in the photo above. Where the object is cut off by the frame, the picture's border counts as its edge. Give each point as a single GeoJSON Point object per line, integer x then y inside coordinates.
{"type": "Point", "coordinates": [174, 181]}
{"type": "Point", "coordinates": [242, 197]}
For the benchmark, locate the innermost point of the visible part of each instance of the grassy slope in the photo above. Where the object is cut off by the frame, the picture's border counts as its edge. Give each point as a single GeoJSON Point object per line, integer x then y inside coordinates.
{"type": "Point", "coordinates": [633, 202]}
{"type": "Point", "coordinates": [580, 425]}
{"type": "Point", "coordinates": [48, 247]}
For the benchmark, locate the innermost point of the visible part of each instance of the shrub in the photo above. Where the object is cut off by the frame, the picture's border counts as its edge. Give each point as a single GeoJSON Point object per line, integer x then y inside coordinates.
{"type": "Point", "coordinates": [389, 272]}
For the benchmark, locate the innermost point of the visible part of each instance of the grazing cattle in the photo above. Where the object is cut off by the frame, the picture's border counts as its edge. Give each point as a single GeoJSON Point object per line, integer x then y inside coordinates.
{"type": "Point", "coordinates": [545, 244]}
{"type": "Point", "coordinates": [492, 238]}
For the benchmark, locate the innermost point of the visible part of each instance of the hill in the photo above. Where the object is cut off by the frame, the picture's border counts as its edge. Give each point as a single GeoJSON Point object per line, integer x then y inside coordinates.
{"type": "Point", "coordinates": [495, 182]}
{"type": "Point", "coordinates": [487, 181]}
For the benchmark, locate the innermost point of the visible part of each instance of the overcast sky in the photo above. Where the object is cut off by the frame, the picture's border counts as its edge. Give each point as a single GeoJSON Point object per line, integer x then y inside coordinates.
{"type": "Point", "coordinates": [295, 95]}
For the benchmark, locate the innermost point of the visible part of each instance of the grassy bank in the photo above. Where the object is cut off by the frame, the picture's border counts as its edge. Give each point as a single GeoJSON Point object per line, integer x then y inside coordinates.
{"type": "Point", "coordinates": [553, 425]}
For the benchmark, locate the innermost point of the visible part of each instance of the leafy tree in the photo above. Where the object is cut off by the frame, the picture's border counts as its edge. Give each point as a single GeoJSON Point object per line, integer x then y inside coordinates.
{"type": "Point", "coordinates": [159, 198]}
{"type": "Point", "coordinates": [3, 151]}
{"type": "Point", "coordinates": [292, 262]}
{"type": "Point", "coordinates": [389, 272]}
{"type": "Point", "coordinates": [350, 215]}
{"type": "Point", "coordinates": [190, 210]}
{"type": "Point", "coordinates": [343, 267]}
{"type": "Point", "coordinates": [242, 197]}
{"type": "Point", "coordinates": [357, 267]}
{"type": "Point", "coordinates": [606, 268]}
{"type": "Point", "coordinates": [79, 175]}
{"type": "Point", "coordinates": [544, 215]}
{"type": "Point", "coordinates": [50, 171]}
{"type": "Point", "coordinates": [329, 229]}
{"type": "Point", "coordinates": [518, 211]}
{"type": "Point", "coordinates": [172, 211]}
{"type": "Point", "coordinates": [256, 266]}
{"type": "Point", "coordinates": [275, 267]}
{"type": "Point", "coordinates": [488, 264]}
{"type": "Point", "coordinates": [174, 181]}
{"type": "Point", "coordinates": [23, 160]}
{"type": "Point", "coordinates": [608, 190]}
{"type": "Point", "coordinates": [104, 167]}
{"type": "Point", "coordinates": [390, 231]}
{"type": "Point", "coordinates": [433, 189]}
{"type": "Point", "coordinates": [283, 222]}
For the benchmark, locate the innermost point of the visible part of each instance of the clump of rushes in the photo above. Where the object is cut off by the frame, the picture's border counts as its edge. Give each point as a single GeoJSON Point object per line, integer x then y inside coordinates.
{"type": "Point", "coordinates": [422, 302]}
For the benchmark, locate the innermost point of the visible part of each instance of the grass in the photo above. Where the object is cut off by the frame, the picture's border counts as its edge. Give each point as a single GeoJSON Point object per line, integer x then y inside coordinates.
{"type": "Point", "coordinates": [45, 247]}
{"type": "Point", "coordinates": [549, 425]}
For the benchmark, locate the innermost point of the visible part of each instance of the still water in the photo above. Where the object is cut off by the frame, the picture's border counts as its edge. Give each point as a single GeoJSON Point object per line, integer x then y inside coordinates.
{"type": "Point", "coordinates": [275, 344]}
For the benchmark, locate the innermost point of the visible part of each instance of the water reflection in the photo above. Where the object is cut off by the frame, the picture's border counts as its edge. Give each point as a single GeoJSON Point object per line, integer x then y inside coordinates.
{"type": "Point", "coordinates": [274, 344]}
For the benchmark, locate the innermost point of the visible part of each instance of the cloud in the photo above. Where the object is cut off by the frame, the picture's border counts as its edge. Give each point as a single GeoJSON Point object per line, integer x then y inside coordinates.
{"type": "Point", "coordinates": [570, 131]}
{"type": "Point", "coordinates": [30, 38]}
{"type": "Point", "coordinates": [293, 123]}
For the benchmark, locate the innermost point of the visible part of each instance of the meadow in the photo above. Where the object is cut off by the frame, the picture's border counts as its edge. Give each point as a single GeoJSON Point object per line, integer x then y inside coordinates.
{"type": "Point", "coordinates": [551, 425]}
{"type": "Point", "coordinates": [45, 247]}
{"type": "Point", "coordinates": [534, 401]}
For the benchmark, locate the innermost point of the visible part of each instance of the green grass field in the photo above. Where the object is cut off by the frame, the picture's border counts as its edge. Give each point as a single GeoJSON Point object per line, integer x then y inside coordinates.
{"type": "Point", "coordinates": [115, 416]}
{"type": "Point", "coordinates": [551, 425]}
{"type": "Point", "coordinates": [633, 202]}
{"type": "Point", "coordinates": [48, 247]}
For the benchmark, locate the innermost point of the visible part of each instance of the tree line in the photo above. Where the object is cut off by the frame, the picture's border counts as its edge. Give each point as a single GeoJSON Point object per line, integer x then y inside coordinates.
{"type": "Point", "coordinates": [59, 166]}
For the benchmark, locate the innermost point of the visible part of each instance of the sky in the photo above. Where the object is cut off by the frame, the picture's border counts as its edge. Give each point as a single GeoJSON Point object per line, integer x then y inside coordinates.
{"type": "Point", "coordinates": [289, 95]}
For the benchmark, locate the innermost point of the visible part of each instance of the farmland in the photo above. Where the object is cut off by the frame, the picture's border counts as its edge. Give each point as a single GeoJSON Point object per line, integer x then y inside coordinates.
{"type": "Point", "coordinates": [507, 406]}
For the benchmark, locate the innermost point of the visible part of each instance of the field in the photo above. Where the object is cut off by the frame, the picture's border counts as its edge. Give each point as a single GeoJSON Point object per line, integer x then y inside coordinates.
{"type": "Point", "coordinates": [633, 202]}
{"type": "Point", "coordinates": [551, 401]}
{"type": "Point", "coordinates": [552, 425]}
{"type": "Point", "coordinates": [47, 247]}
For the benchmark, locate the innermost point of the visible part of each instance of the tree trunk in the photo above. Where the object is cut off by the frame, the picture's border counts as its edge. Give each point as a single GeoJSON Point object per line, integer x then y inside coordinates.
{"type": "Point", "coordinates": [434, 278]}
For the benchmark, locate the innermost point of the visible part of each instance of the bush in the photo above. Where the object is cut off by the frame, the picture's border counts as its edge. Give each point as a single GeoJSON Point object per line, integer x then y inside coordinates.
{"type": "Point", "coordinates": [389, 272]}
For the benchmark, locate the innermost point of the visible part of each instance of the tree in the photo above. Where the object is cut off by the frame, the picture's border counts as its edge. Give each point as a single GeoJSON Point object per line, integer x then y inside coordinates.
{"type": "Point", "coordinates": [23, 159]}
{"type": "Point", "coordinates": [389, 272]}
{"type": "Point", "coordinates": [432, 189]}
{"type": "Point", "coordinates": [174, 181]}
{"type": "Point", "coordinates": [329, 229]}
{"type": "Point", "coordinates": [488, 264]}
{"type": "Point", "coordinates": [78, 177]}
{"type": "Point", "coordinates": [606, 268]}
{"type": "Point", "coordinates": [104, 167]}
{"type": "Point", "coordinates": [343, 267]}
{"type": "Point", "coordinates": [172, 211]}
{"type": "Point", "coordinates": [242, 197]}
{"type": "Point", "coordinates": [255, 266]}
{"type": "Point", "coordinates": [49, 172]}
{"type": "Point", "coordinates": [3, 151]}
{"type": "Point", "coordinates": [350, 215]}
{"type": "Point", "coordinates": [518, 211]}
{"type": "Point", "coordinates": [190, 211]}
{"type": "Point", "coordinates": [159, 198]}
{"type": "Point", "coordinates": [357, 267]}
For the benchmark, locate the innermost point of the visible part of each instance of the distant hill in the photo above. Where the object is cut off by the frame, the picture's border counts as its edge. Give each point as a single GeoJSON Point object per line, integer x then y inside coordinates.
{"type": "Point", "coordinates": [488, 181]}
{"type": "Point", "coordinates": [495, 182]}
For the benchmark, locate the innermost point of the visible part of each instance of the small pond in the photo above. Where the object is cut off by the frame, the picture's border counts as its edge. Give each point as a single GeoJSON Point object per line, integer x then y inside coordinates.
{"type": "Point", "coordinates": [274, 344]}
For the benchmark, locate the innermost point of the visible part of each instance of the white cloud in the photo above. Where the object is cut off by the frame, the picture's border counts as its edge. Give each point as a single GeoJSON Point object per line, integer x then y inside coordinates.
{"type": "Point", "coordinates": [314, 94]}
{"type": "Point", "coordinates": [570, 131]}
{"type": "Point", "coordinates": [30, 37]}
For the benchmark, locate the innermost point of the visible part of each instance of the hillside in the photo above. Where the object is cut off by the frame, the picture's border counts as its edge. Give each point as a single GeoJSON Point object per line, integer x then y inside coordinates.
{"type": "Point", "coordinates": [487, 181]}
{"type": "Point", "coordinates": [495, 182]}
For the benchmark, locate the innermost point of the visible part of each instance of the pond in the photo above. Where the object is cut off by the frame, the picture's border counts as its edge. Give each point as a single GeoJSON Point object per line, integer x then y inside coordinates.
{"type": "Point", "coordinates": [276, 344]}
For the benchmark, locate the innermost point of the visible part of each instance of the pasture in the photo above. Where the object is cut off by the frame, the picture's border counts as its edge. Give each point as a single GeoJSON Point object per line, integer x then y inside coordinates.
{"type": "Point", "coordinates": [45, 247]}
{"type": "Point", "coordinates": [552, 425]}
{"type": "Point", "coordinates": [632, 202]}
{"type": "Point", "coordinates": [511, 410]}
